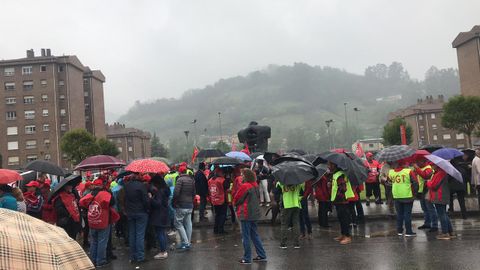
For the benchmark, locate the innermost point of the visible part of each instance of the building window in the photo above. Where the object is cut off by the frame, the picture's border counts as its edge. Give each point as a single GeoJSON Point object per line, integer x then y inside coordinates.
{"type": "Point", "coordinates": [63, 127]}
{"type": "Point", "coordinates": [435, 137]}
{"type": "Point", "coordinates": [46, 127]}
{"type": "Point", "coordinates": [13, 161]}
{"type": "Point", "coordinates": [45, 112]}
{"type": "Point", "coordinates": [61, 83]}
{"type": "Point", "coordinates": [433, 116]}
{"type": "Point", "coordinates": [27, 70]}
{"type": "Point", "coordinates": [85, 94]}
{"type": "Point", "coordinates": [434, 126]}
{"type": "Point", "coordinates": [60, 68]}
{"type": "Point", "coordinates": [87, 117]}
{"type": "Point", "coordinates": [27, 85]}
{"type": "Point", "coordinates": [447, 136]}
{"type": "Point", "coordinates": [12, 146]}
{"type": "Point", "coordinates": [62, 112]}
{"type": "Point", "coordinates": [31, 158]}
{"type": "Point", "coordinates": [420, 117]}
{"type": "Point", "coordinates": [9, 71]}
{"type": "Point", "coordinates": [28, 99]}
{"type": "Point", "coordinates": [10, 100]}
{"type": "Point", "coordinates": [29, 114]}
{"type": "Point", "coordinates": [48, 157]}
{"type": "Point", "coordinates": [120, 149]}
{"type": "Point", "coordinates": [43, 82]}
{"type": "Point", "coordinates": [130, 149]}
{"type": "Point", "coordinates": [12, 130]}
{"type": "Point", "coordinates": [422, 128]}
{"type": "Point", "coordinates": [9, 86]}
{"type": "Point", "coordinates": [11, 115]}
{"type": "Point", "coordinates": [43, 68]}
{"type": "Point", "coordinates": [30, 129]}
{"type": "Point", "coordinates": [460, 136]}
{"type": "Point", "coordinates": [62, 97]}
{"type": "Point", "coordinates": [85, 81]}
{"type": "Point", "coordinates": [44, 98]}
{"type": "Point", "coordinates": [30, 144]}
{"type": "Point", "coordinates": [46, 142]}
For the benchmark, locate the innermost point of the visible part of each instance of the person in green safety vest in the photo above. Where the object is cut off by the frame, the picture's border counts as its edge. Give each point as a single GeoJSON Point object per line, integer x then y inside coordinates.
{"type": "Point", "coordinates": [404, 187]}
{"type": "Point", "coordinates": [341, 192]}
{"type": "Point", "coordinates": [290, 212]}
{"type": "Point", "coordinates": [424, 173]}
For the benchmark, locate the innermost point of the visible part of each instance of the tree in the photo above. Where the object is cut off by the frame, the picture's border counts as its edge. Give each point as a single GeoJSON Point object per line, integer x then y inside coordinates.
{"type": "Point", "coordinates": [158, 148]}
{"type": "Point", "coordinates": [78, 144]}
{"type": "Point", "coordinates": [391, 132]}
{"type": "Point", "coordinates": [223, 146]}
{"type": "Point", "coordinates": [107, 147]}
{"type": "Point", "coordinates": [462, 114]}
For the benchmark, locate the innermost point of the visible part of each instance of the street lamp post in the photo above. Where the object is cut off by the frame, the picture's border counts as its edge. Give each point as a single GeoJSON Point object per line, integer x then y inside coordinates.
{"type": "Point", "coordinates": [347, 138]}
{"type": "Point", "coordinates": [220, 125]}
{"type": "Point", "coordinates": [330, 141]}
{"type": "Point", "coordinates": [194, 123]}
{"type": "Point", "coordinates": [357, 133]}
{"type": "Point", "coordinates": [186, 132]}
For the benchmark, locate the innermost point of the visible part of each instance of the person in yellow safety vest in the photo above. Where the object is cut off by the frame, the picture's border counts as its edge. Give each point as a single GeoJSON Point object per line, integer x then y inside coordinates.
{"type": "Point", "coordinates": [341, 192]}
{"type": "Point", "coordinates": [404, 187]}
{"type": "Point", "coordinates": [290, 212]}
{"type": "Point", "coordinates": [424, 173]}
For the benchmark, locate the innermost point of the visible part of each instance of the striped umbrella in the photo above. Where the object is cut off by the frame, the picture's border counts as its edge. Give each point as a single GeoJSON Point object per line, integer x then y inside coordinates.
{"type": "Point", "coordinates": [147, 166]}
{"type": "Point", "coordinates": [395, 153]}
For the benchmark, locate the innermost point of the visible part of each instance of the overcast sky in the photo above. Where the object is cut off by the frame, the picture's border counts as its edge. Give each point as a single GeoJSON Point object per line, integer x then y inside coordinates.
{"type": "Point", "coordinates": [155, 49]}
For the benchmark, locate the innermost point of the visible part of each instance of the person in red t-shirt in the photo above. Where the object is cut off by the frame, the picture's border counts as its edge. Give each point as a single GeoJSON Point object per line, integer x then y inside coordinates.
{"type": "Point", "coordinates": [322, 193]}
{"type": "Point", "coordinates": [372, 184]}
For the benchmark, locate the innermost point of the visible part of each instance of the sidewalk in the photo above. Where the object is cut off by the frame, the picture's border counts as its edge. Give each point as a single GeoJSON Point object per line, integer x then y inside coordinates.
{"type": "Point", "coordinates": [372, 212]}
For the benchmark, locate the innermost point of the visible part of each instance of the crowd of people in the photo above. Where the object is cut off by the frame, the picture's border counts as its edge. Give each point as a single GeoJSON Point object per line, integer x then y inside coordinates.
{"type": "Point", "coordinates": [146, 209]}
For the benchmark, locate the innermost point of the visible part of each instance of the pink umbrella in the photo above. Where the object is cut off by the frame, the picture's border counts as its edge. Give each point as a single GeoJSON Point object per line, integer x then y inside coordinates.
{"type": "Point", "coordinates": [100, 162]}
{"type": "Point", "coordinates": [9, 176]}
{"type": "Point", "coordinates": [147, 166]}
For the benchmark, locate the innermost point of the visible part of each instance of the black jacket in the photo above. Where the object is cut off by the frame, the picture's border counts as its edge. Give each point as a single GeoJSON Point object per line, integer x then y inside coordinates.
{"type": "Point", "coordinates": [201, 184]}
{"type": "Point", "coordinates": [136, 198]}
{"type": "Point", "coordinates": [159, 215]}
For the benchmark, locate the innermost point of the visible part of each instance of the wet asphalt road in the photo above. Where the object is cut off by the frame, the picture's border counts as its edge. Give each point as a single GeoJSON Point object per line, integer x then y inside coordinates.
{"type": "Point", "coordinates": [375, 246]}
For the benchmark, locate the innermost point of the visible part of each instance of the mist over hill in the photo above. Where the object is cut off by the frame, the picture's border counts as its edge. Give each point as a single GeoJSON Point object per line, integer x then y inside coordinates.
{"type": "Point", "coordinates": [295, 101]}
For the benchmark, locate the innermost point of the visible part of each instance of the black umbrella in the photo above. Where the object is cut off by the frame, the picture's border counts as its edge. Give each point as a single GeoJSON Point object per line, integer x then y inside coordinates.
{"type": "Point", "coordinates": [289, 157]}
{"type": "Point", "coordinates": [299, 152]}
{"type": "Point", "coordinates": [73, 180]}
{"type": "Point", "coordinates": [310, 157]}
{"type": "Point", "coordinates": [294, 172]}
{"type": "Point", "coordinates": [210, 153]}
{"type": "Point", "coordinates": [226, 161]}
{"type": "Point", "coordinates": [356, 171]}
{"type": "Point", "coordinates": [45, 167]}
{"type": "Point", "coordinates": [270, 157]}
{"type": "Point", "coordinates": [321, 169]}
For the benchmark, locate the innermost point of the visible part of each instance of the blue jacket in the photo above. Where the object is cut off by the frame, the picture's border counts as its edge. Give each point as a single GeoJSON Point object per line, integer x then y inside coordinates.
{"type": "Point", "coordinates": [8, 201]}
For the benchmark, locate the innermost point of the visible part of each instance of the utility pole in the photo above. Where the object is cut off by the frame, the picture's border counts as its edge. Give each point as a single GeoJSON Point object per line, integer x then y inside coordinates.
{"type": "Point", "coordinates": [186, 132]}
{"type": "Point", "coordinates": [330, 142]}
{"type": "Point", "coordinates": [220, 125]}
{"type": "Point", "coordinates": [347, 137]}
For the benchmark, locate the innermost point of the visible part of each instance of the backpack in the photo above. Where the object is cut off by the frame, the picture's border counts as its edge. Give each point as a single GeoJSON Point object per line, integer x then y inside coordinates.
{"type": "Point", "coordinates": [217, 193]}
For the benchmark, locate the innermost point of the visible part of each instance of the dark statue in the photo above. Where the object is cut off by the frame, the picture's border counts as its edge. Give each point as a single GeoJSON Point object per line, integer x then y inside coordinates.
{"type": "Point", "coordinates": [255, 137]}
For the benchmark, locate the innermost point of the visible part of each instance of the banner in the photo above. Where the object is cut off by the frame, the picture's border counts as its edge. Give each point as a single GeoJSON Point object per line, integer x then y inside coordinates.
{"type": "Point", "coordinates": [403, 134]}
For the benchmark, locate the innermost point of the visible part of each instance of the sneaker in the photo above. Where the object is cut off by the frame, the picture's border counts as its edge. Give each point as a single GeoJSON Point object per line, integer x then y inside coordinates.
{"type": "Point", "coordinates": [182, 247]}
{"type": "Point", "coordinates": [103, 265]}
{"type": "Point", "coordinates": [171, 233]}
{"type": "Point", "coordinates": [424, 226]}
{"type": "Point", "coordinates": [346, 240]}
{"type": "Point", "coordinates": [283, 246]}
{"type": "Point", "coordinates": [452, 235]}
{"type": "Point", "coordinates": [412, 234]}
{"type": "Point", "coordinates": [242, 261]}
{"type": "Point", "coordinates": [296, 246]}
{"type": "Point", "coordinates": [445, 236]}
{"type": "Point", "coordinates": [433, 230]}
{"type": "Point", "coordinates": [161, 256]}
{"type": "Point", "coordinates": [267, 205]}
{"type": "Point", "coordinates": [378, 202]}
{"type": "Point", "coordinates": [400, 233]}
{"type": "Point", "coordinates": [309, 236]}
{"type": "Point", "coordinates": [259, 259]}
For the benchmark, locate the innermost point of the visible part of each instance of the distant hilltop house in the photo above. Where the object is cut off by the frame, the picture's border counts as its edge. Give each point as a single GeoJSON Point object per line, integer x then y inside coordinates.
{"type": "Point", "coordinates": [369, 145]}
{"type": "Point", "coordinates": [389, 98]}
{"type": "Point", "coordinates": [425, 120]}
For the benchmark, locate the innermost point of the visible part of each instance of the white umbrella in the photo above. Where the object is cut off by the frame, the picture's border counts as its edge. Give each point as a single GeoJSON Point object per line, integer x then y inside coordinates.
{"type": "Point", "coordinates": [446, 166]}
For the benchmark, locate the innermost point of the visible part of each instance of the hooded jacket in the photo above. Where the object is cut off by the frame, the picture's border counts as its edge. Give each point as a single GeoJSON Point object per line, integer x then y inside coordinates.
{"type": "Point", "coordinates": [438, 188]}
{"type": "Point", "coordinates": [247, 200]}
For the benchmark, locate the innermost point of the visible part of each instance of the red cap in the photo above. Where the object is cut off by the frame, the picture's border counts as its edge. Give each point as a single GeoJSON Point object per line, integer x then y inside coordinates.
{"type": "Point", "coordinates": [146, 178]}
{"type": "Point", "coordinates": [33, 184]}
{"type": "Point", "coordinates": [115, 173]}
{"type": "Point", "coordinates": [98, 182]}
{"type": "Point", "coordinates": [369, 154]}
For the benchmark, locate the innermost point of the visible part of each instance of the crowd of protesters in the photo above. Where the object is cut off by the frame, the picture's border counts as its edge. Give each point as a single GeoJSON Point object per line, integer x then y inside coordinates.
{"type": "Point", "coordinates": [146, 209]}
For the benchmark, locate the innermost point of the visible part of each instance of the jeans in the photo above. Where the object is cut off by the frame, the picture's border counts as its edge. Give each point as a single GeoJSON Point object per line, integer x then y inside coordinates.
{"type": "Point", "coordinates": [323, 213]}
{"type": "Point", "coordinates": [137, 225]}
{"type": "Point", "coordinates": [373, 189]}
{"type": "Point", "coordinates": [290, 216]}
{"type": "Point", "coordinates": [162, 238]}
{"type": "Point", "coordinates": [429, 213]}
{"type": "Point", "coordinates": [249, 232]}
{"type": "Point", "coordinates": [443, 217]}
{"type": "Point", "coordinates": [305, 218]}
{"type": "Point", "coordinates": [183, 223]}
{"type": "Point", "coordinates": [203, 206]}
{"type": "Point", "coordinates": [264, 195]}
{"type": "Point", "coordinates": [343, 215]}
{"type": "Point", "coordinates": [98, 245]}
{"type": "Point", "coordinates": [404, 215]}
{"type": "Point", "coordinates": [220, 217]}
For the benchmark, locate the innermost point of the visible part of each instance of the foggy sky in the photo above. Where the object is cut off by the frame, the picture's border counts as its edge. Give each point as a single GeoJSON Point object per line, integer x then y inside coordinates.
{"type": "Point", "coordinates": [155, 49]}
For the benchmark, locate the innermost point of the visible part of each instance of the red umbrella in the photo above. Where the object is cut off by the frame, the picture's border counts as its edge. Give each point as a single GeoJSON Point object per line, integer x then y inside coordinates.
{"type": "Point", "coordinates": [419, 154]}
{"type": "Point", "coordinates": [147, 166]}
{"type": "Point", "coordinates": [100, 162]}
{"type": "Point", "coordinates": [9, 176]}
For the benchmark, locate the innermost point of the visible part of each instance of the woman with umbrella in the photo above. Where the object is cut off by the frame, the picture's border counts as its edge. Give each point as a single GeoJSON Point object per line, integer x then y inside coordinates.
{"type": "Point", "coordinates": [65, 201]}
{"type": "Point", "coordinates": [341, 192]}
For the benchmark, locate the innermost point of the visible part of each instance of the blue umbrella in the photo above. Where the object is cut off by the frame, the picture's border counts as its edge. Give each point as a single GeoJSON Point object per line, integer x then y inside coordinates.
{"type": "Point", "coordinates": [446, 166]}
{"type": "Point", "coordinates": [447, 153]}
{"type": "Point", "coordinates": [239, 155]}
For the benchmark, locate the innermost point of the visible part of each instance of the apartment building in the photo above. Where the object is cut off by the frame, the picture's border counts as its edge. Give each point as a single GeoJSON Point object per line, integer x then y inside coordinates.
{"type": "Point", "coordinates": [131, 142]}
{"type": "Point", "coordinates": [468, 55]}
{"type": "Point", "coordinates": [43, 97]}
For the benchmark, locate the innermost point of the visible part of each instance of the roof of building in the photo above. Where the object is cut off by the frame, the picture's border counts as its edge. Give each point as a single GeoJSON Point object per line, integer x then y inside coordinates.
{"type": "Point", "coordinates": [119, 130]}
{"type": "Point", "coordinates": [429, 105]}
{"type": "Point", "coordinates": [465, 37]}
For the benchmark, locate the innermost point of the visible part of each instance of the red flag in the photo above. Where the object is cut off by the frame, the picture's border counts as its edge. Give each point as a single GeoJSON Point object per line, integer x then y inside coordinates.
{"type": "Point", "coordinates": [194, 155]}
{"type": "Point", "coordinates": [245, 150]}
{"type": "Point", "coordinates": [359, 151]}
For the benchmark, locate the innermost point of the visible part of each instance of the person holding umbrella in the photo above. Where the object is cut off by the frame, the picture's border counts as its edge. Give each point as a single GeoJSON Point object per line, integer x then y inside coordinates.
{"type": "Point", "coordinates": [66, 209]}
{"type": "Point", "coordinates": [425, 172]}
